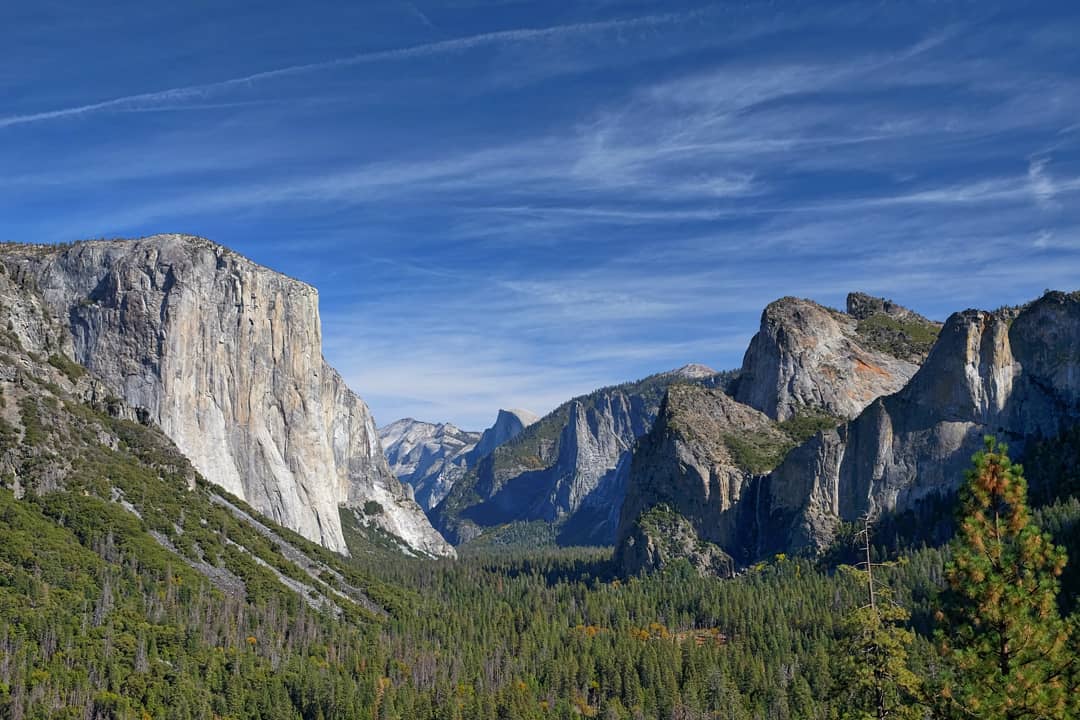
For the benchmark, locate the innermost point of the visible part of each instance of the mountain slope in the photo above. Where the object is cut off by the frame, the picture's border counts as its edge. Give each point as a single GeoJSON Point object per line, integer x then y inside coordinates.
{"type": "Point", "coordinates": [697, 461]}
{"type": "Point", "coordinates": [1012, 373]}
{"type": "Point", "coordinates": [568, 469]}
{"type": "Point", "coordinates": [224, 356]}
{"type": "Point", "coordinates": [131, 585]}
{"type": "Point", "coordinates": [429, 457]}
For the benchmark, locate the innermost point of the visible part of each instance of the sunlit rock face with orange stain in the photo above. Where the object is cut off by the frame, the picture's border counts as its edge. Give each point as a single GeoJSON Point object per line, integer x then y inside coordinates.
{"type": "Point", "coordinates": [806, 356]}
{"type": "Point", "coordinates": [226, 357]}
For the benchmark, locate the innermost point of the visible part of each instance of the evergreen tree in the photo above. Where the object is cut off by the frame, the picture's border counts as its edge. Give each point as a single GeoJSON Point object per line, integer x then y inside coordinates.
{"type": "Point", "coordinates": [877, 683]}
{"type": "Point", "coordinates": [1002, 633]}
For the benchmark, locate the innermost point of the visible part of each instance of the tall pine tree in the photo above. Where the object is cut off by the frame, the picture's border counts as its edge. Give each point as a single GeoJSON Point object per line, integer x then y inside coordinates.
{"type": "Point", "coordinates": [1007, 646]}
{"type": "Point", "coordinates": [875, 681]}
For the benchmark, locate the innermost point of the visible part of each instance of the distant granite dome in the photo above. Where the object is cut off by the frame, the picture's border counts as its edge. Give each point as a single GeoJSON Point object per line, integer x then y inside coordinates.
{"type": "Point", "coordinates": [225, 356]}
{"type": "Point", "coordinates": [508, 425]}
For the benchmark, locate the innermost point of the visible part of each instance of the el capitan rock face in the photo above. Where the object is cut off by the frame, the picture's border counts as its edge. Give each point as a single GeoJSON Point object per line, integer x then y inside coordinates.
{"type": "Point", "coordinates": [226, 357]}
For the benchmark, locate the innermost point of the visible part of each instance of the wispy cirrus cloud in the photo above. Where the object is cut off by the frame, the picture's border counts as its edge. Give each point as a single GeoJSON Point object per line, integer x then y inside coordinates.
{"type": "Point", "coordinates": [478, 244]}
{"type": "Point", "coordinates": [168, 97]}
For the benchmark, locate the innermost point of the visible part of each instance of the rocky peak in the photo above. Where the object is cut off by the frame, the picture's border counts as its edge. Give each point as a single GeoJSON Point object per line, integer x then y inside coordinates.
{"type": "Point", "coordinates": [702, 454]}
{"type": "Point", "coordinates": [429, 457]}
{"type": "Point", "coordinates": [508, 425]}
{"type": "Point", "coordinates": [225, 356]}
{"type": "Point", "coordinates": [863, 307]}
{"type": "Point", "coordinates": [807, 357]}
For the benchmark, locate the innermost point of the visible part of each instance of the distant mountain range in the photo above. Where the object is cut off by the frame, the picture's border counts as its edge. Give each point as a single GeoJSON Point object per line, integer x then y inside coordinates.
{"type": "Point", "coordinates": [833, 414]}
{"type": "Point", "coordinates": [432, 457]}
{"type": "Point", "coordinates": [567, 470]}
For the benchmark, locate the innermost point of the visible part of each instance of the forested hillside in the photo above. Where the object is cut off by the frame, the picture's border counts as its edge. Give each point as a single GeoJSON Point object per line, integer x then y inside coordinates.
{"type": "Point", "coordinates": [130, 587]}
{"type": "Point", "coordinates": [98, 620]}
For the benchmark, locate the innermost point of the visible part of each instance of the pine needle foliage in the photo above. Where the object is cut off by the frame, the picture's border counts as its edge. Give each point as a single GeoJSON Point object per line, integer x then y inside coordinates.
{"type": "Point", "coordinates": [1010, 652]}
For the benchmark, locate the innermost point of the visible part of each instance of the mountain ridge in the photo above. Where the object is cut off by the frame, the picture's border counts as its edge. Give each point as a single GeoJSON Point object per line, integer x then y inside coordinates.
{"type": "Point", "coordinates": [568, 469]}
{"type": "Point", "coordinates": [214, 348]}
{"type": "Point", "coordinates": [1014, 373]}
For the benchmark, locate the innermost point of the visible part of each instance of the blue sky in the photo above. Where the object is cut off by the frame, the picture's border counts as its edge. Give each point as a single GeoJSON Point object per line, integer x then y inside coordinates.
{"type": "Point", "coordinates": [509, 203]}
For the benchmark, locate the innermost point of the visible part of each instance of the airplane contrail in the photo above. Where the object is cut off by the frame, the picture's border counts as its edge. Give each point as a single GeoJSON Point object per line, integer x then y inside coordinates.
{"type": "Point", "coordinates": [180, 94]}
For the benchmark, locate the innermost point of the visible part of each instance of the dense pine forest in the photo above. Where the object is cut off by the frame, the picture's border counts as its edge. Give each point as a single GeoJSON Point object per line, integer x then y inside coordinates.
{"type": "Point", "coordinates": [97, 620]}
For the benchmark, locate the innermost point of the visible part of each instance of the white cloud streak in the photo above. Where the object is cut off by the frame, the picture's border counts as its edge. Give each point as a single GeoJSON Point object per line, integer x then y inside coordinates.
{"type": "Point", "coordinates": [143, 101]}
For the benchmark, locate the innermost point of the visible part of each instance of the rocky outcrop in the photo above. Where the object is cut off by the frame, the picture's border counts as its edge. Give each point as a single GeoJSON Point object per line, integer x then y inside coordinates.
{"type": "Point", "coordinates": [699, 460]}
{"type": "Point", "coordinates": [1012, 373]}
{"type": "Point", "coordinates": [663, 535]}
{"type": "Point", "coordinates": [569, 468]}
{"type": "Point", "coordinates": [865, 307]}
{"type": "Point", "coordinates": [429, 457]}
{"type": "Point", "coordinates": [807, 357]}
{"type": "Point", "coordinates": [225, 356]}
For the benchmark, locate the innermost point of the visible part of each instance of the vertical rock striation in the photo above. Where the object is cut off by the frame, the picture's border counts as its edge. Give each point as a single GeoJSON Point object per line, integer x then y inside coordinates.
{"type": "Point", "coordinates": [1013, 373]}
{"type": "Point", "coordinates": [226, 357]}
{"type": "Point", "coordinates": [429, 457]}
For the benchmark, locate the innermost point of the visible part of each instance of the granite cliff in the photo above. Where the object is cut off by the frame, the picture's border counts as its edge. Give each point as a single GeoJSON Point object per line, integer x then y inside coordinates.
{"type": "Point", "coordinates": [696, 463]}
{"type": "Point", "coordinates": [508, 425]}
{"type": "Point", "coordinates": [1010, 373]}
{"type": "Point", "coordinates": [809, 357]}
{"type": "Point", "coordinates": [76, 457]}
{"type": "Point", "coordinates": [225, 357]}
{"type": "Point", "coordinates": [567, 470]}
{"type": "Point", "coordinates": [1013, 373]}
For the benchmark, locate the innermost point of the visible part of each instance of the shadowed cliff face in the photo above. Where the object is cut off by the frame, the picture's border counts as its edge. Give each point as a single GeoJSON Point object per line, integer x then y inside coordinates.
{"type": "Point", "coordinates": [568, 469]}
{"type": "Point", "coordinates": [226, 357]}
{"type": "Point", "coordinates": [1011, 373]}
